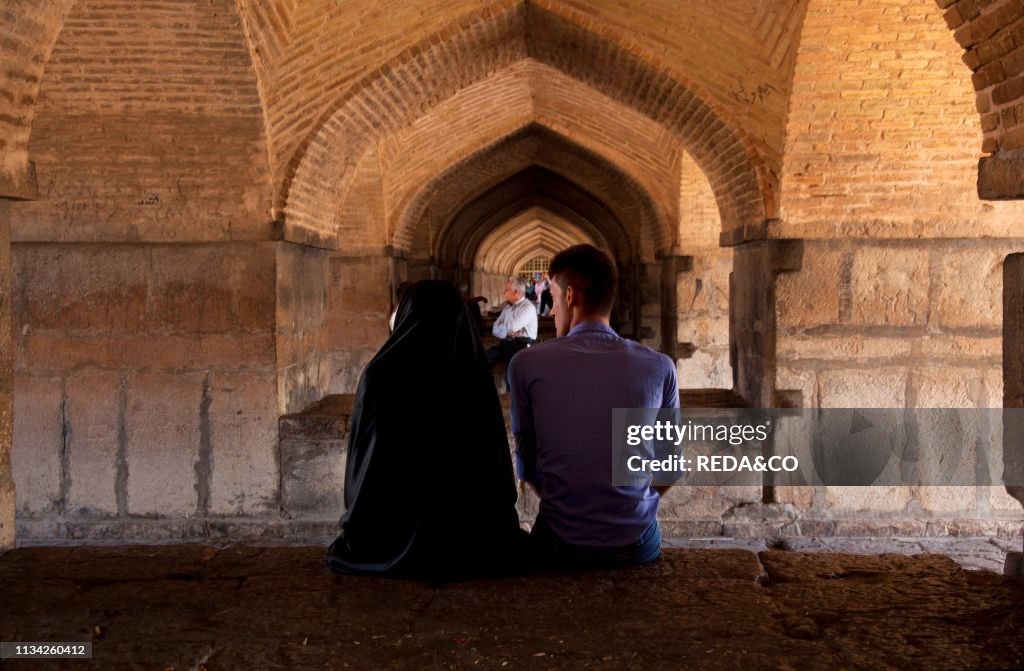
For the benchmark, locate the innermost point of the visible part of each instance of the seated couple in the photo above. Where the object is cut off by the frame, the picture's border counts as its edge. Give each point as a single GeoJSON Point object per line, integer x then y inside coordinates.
{"type": "Point", "coordinates": [429, 487]}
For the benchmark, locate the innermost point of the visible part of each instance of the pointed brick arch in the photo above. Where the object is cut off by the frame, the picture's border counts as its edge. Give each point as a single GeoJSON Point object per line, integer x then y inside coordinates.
{"type": "Point", "coordinates": [442, 205]}
{"type": "Point", "coordinates": [532, 186]}
{"type": "Point", "coordinates": [524, 236]}
{"type": "Point", "coordinates": [506, 103]}
{"type": "Point", "coordinates": [990, 34]}
{"type": "Point", "coordinates": [30, 31]}
{"type": "Point", "coordinates": [520, 195]}
{"type": "Point", "coordinates": [393, 97]}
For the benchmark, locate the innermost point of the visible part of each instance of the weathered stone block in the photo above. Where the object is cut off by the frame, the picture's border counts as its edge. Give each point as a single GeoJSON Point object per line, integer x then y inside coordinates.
{"type": "Point", "coordinates": [951, 499]}
{"type": "Point", "coordinates": [361, 285]}
{"type": "Point", "coordinates": [313, 444]}
{"type": "Point", "coordinates": [301, 345]}
{"type": "Point", "coordinates": [810, 296]}
{"type": "Point", "coordinates": [801, 498]}
{"type": "Point", "coordinates": [945, 388]}
{"type": "Point", "coordinates": [704, 503]}
{"type": "Point", "coordinates": [243, 443]}
{"type": "Point", "coordinates": [890, 286]}
{"type": "Point", "coordinates": [867, 388]}
{"type": "Point", "coordinates": [703, 331]}
{"type": "Point", "coordinates": [93, 411]}
{"type": "Point", "coordinates": [970, 293]}
{"type": "Point", "coordinates": [162, 429]}
{"type": "Point", "coordinates": [867, 499]}
{"type": "Point", "coordinates": [841, 348]}
{"type": "Point", "coordinates": [349, 332]}
{"type": "Point", "coordinates": [705, 370]}
{"type": "Point", "coordinates": [1000, 178]}
{"type": "Point", "coordinates": [210, 288]}
{"type": "Point", "coordinates": [793, 379]}
{"type": "Point", "coordinates": [313, 476]}
{"type": "Point", "coordinates": [961, 347]}
{"type": "Point", "coordinates": [61, 284]}
{"type": "Point", "coordinates": [346, 368]}
{"type": "Point", "coordinates": [992, 394]}
{"type": "Point", "coordinates": [303, 383]}
{"type": "Point", "coordinates": [37, 445]}
{"type": "Point", "coordinates": [1000, 500]}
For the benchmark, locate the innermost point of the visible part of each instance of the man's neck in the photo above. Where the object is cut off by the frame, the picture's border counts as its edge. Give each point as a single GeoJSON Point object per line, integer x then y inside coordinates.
{"type": "Point", "coordinates": [600, 319]}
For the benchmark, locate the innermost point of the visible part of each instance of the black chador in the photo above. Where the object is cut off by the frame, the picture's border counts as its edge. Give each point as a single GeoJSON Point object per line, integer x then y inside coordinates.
{"type": "Point", "coordinates": [429, 488]}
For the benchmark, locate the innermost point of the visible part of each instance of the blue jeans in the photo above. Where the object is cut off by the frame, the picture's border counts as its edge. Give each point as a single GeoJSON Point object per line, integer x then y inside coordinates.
{"type": "Point", "coordinates": [551, 551]}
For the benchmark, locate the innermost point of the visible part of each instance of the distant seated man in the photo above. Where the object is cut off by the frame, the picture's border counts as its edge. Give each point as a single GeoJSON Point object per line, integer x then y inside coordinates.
{"type": "Point", "coordinates": [563, 392]}
{"type": "Point", "coordinates": [516, 326]}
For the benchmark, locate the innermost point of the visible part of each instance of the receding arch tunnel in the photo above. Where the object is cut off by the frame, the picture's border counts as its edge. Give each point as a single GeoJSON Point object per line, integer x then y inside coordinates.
{"type": "Point", "coordinates": [446, 223]}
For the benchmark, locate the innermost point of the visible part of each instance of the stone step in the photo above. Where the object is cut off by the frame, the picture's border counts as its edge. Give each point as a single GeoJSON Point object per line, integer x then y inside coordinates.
{"type": "Point", "coordinates": [329, 418]}
{"type": "Point", "coordinates": [313, 444]}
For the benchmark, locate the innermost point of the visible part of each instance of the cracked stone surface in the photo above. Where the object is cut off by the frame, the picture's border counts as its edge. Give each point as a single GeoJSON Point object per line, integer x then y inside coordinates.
{"type": "Point", "coordinates": [242, 607]}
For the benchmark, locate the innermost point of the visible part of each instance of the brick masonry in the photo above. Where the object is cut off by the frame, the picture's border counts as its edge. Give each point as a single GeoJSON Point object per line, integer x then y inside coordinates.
{"type": "Point", "coordinates": [883, 135]}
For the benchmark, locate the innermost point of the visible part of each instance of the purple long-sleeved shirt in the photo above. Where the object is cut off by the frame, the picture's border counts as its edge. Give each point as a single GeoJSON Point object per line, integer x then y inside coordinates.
{"type": "Point", "coordinates": [563, 392]}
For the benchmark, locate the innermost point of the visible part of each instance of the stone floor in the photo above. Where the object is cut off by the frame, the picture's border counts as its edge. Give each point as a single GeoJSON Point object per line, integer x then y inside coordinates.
{"type": "Point", "coordinates": [197, 607]}
{"type": "Point", "coordinates": [974, 554]}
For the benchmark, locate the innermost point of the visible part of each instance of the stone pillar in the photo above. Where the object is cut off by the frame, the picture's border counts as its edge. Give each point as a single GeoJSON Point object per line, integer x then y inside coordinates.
{"type": "Point", "coordinates": [752, 315]}
{"type": "Point", "coordinates": [671, 266]}
{"type": "Point", "coordinates": [303, 368]}
{"type": "Point", "coordinates": [6, 384]}
{"type": "Point", "coordinates": [752, 335]}
{"type": "Point", "coordinates": [1013, 388]}
{"type": "Point", "coordinates": [19, 185]}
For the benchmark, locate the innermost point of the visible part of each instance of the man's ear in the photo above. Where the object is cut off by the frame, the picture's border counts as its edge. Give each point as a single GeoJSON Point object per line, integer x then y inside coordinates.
{"type": "Point", "coordinates": [571, 297]}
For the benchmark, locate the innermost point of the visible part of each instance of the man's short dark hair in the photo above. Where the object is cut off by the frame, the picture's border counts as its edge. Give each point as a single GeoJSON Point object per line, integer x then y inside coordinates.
{"type": "Point", "coordinates": [590, 271]}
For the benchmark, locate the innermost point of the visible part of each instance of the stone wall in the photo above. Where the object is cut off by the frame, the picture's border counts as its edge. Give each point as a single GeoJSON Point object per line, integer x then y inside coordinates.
{"type": "Point", "coordinates": [145, 386]}
{"type": "Point", "coordinates": [914, 324]}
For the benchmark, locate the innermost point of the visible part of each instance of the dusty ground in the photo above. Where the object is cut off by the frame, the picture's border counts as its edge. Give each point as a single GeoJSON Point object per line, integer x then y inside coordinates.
{"type": "Point", "coordinates": [201, 607]}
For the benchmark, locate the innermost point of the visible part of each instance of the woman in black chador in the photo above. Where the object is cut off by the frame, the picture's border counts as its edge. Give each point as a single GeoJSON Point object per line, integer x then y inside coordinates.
{"type": "Point", "coordinates": [429, 489]}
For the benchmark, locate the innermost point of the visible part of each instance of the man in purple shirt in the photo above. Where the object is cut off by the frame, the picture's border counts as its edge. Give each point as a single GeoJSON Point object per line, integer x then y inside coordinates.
{"type": "Point", "coordinates": [563, 392]}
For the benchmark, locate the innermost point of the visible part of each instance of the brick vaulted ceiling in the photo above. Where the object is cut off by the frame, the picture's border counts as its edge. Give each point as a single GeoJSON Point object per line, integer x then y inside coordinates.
{"type": "Point", "coordinates": [737, 53]}
{"type": "Point", "coordinates": [323, 68]}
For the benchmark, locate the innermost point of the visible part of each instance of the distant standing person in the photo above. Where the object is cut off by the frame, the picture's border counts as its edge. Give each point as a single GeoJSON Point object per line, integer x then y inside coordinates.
{"type": "Point", "coordinates": [544, 288]}
{"type": "Point", "coordinates": [516, 326]}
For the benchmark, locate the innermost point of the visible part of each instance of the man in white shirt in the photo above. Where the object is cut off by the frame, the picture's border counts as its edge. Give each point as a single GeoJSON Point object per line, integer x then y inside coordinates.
{"type": "Point", "coordinates": [516, 326]}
